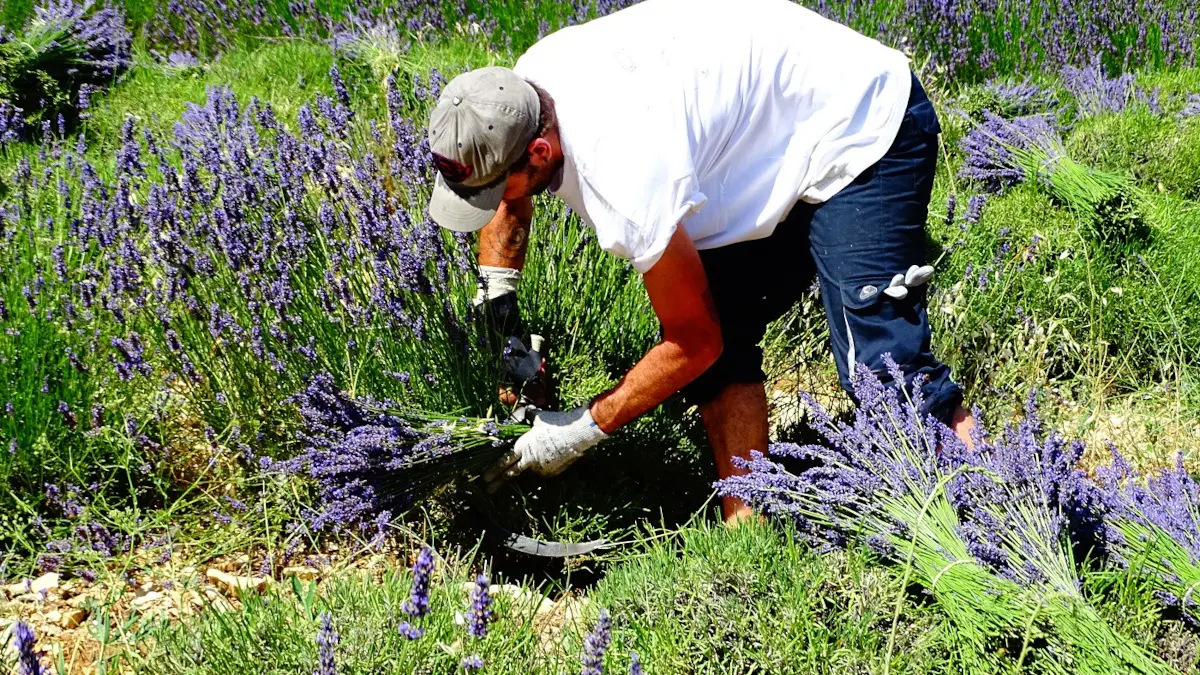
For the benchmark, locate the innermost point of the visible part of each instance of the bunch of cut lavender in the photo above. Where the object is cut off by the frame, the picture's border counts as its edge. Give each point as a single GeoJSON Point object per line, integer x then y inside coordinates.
{"type": "Point", "coordinates": [1108, 205]}
{"type": "Point", "coordinates": [66, 48]}
{"type": "Point", "coordinates": [1025, 507]}
{"type": "Point", "coordinates": [882, 481]}
{"type": "Point", "coordinates": [1014, 99]}
{"type": "Point", "coordinates": [878, 482]}
{"type": "Point", "coordinates": [988, 149]}
{"type": "Point", "coordinates": [371, 458]}
{"type": "Point", "coordinates": [1094, 91]}
{"type": "Point", "coordinates": [1152, 524]}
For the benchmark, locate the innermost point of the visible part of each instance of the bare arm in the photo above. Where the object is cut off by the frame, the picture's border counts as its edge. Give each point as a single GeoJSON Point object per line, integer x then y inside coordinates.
{"type": "Point", "coordinates": [691, 342]}
{"type": "Point", "coordinates": [502, 242]}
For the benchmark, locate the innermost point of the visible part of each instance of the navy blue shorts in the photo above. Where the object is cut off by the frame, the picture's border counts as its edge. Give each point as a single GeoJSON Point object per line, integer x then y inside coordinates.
{"type": "Point", "coordinates": [855, 243]}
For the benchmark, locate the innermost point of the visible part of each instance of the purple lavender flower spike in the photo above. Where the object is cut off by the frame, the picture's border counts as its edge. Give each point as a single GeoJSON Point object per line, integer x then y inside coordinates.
{"type": "Point", "coordinates": [974, 209]}
{"type": "Point", "coordinates": [1094, 91]}
{"type": "Point", "coordinates": [635, 665]}
{"type": "Point", "coordinates": [327, 640]}
{"type": "Point", "coordinates": [411, 632]}
{"type": "Point", "coordinates": [481, 608]}
{"type": "Point", "coordinates": [596, 644]}
{"type": "Point", "coordinates": [27, 660]}
{"type": "Point", "coordinates": [471, 663]}
{"type": "Point", "coordinates": [417, 604]}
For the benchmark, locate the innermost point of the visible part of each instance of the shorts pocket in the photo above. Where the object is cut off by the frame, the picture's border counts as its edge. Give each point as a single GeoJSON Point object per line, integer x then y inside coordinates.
{"type": "Point", "coordinates": [876, 323]}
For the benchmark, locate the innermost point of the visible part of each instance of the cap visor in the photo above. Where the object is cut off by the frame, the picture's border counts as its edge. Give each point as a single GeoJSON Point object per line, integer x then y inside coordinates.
{"type": "Point", "coordinates": [464, 214]}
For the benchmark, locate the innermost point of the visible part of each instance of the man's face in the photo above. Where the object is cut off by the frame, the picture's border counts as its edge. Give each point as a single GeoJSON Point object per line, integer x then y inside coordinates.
{"type": "Point", "coordinates": [536, 176]}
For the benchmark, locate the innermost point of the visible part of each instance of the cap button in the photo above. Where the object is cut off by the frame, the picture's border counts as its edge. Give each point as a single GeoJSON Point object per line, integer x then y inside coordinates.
{"type": "Point", "coordinates": [456, 100]}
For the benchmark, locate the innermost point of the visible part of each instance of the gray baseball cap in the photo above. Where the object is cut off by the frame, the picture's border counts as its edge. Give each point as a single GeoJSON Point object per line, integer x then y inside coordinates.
{"type": "Point", "coordinates": [483, 121]}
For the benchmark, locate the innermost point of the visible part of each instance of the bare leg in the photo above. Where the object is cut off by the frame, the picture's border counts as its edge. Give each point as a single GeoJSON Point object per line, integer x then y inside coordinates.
{"type": "Point", "coordinates": [736, 421]}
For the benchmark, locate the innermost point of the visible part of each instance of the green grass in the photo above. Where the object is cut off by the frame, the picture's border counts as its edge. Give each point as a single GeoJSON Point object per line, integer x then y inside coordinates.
{"type": "Point", "coordinates": [705, 600]}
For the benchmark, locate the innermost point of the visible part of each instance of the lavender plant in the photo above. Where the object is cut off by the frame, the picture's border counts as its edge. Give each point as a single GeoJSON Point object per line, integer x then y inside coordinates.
{"type": "Point", "coordinates": [67, 49]}
{"type": "Point", "coordinates": [1019, 98]}
{"type": "Point", "coordinates": [1094, 91]}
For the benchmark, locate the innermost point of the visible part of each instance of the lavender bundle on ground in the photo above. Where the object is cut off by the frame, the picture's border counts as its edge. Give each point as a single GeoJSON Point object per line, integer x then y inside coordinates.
{"type": "Point", "coordinates": [989, 149]}
{"type": "Point", "coordinates": [991, 548]}
{"type": "Point", "coordinates": [372, 458]}
{"type": "Point", "coordinates": [1025, 506]}
{"type": "Point", "coordinates": [999, 153]}
{"type": "Point", "coordinates": [1152, 525]}
{"type": "Point", "coordinates": [878, 481]}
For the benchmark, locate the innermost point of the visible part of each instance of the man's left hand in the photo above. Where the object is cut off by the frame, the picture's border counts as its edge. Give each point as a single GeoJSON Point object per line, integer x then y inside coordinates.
{"type": "Point", "coordinates": [554, 442]}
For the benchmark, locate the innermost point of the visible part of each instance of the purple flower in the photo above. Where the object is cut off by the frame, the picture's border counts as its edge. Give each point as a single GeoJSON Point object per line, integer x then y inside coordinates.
{"type": "Point", "coordinates": [988, 148]}
{"type": "Point", "coordinates": [181, 60]}
{"type": "Point", "coordinates": [974, 209]}
{"type": "Point", "coordinates": [1014, 99]}
{"type": "Point", "coordinates": [410, 632]}
{"type": "Point", "coordinates": [327, 640]}
{"type": "Point", "coordinates": [595, 645]}
{"type": "Point", "coordinates": [417, 604]}
{"type": "Point", "coordinates": [635, 665]}
{"type": "Point", "coordinates": [68, 417]}
{"type": "Point", "coordinates": [480, 612]}
{"type": "Point", "coordinates": [27, 660]}
{"type": "Point", "coordinates": [1192, 107]}
{"type": "Point", "coordinates": [1094, 91]}
{"type": "Point", "coordinates": [471, 663]}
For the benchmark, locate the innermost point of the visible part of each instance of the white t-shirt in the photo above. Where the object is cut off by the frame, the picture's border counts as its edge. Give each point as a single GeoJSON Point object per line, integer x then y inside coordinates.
{"type": "Point", "coordinates": [717, 113]}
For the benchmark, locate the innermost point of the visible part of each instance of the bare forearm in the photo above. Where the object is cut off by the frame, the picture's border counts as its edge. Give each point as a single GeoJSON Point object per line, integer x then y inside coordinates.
{"type": "Point", "coordinates": [664, 370]}
{"type": "Point", "coordinates": [504, 240]}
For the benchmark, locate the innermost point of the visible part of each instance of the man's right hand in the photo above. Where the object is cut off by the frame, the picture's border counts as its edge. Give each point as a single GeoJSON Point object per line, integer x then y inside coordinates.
{"type": "Point", "coordinates": [521, 372]}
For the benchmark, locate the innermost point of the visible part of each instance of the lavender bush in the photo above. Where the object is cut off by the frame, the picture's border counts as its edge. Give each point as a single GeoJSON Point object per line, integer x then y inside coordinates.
{"type": "Point", "coordinates": [68, 50]}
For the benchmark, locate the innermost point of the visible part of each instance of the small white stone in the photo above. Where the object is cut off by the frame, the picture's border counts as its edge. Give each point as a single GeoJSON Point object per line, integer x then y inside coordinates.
{"type": "Point", "coordinates": [45, 582]}
{"type": "Point", "coordinates": [145, 601]}
{"type": "Point", "coordinates": [867, 292]}
{"type": "Point", "coordinates": [897, 280]}
{"type": "Point", "coordinates": [897, 292]}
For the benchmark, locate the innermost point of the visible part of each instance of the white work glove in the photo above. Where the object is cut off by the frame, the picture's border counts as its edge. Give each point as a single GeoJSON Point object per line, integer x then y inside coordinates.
{"type": "Point", "coordinates": [554, 442]}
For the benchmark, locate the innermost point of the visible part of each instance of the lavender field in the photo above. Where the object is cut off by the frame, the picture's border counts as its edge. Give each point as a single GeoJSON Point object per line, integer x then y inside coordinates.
{"type": "Point", "coordinates": [246, 396]}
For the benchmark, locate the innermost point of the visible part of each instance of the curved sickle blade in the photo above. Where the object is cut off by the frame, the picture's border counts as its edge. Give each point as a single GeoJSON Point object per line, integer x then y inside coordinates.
{"type": "Point", "coordinates": [548, 549]}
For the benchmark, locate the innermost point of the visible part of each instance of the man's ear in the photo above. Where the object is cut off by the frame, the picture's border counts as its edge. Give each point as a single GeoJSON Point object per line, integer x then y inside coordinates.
{"type": "Point", "coordinates": [540, 148]}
